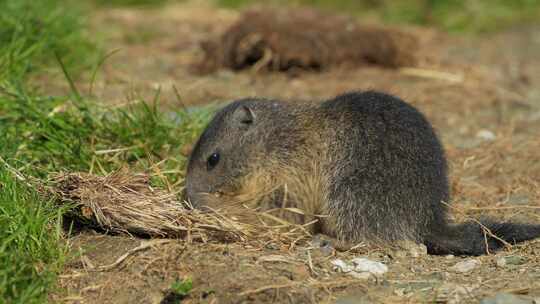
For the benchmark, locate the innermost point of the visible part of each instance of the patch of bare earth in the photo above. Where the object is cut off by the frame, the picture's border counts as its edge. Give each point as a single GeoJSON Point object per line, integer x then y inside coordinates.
{"type": "Point", "coordinates": [482, 95]}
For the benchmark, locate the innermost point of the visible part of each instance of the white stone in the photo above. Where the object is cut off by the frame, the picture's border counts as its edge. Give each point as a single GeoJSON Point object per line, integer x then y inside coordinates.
{"type": "Point", "coordinates": [366, 265]}
{"type": "Point", "coordinates": [465, 266]}
{"type": "Point", "coordinates": [501, 262]}
{"type": "Point", "coordinates": [361, 268]}
{"type": "Point", "coordinates": [486, 135]}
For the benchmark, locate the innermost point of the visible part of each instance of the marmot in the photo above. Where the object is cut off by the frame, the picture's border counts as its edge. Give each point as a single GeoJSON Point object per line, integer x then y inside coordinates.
{"type": "Point", "coordinates": [368, 165]}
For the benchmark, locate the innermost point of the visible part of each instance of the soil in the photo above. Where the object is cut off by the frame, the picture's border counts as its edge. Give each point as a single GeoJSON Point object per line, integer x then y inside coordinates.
{"type": "Point", "coordinates": [482, 94]}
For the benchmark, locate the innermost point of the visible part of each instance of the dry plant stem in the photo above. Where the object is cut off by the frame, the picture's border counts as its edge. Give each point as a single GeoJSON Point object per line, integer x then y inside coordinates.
{"type": "Point", "coordinates": [504, 208]}
{"type": "Point", "coordinates": [143, 246]}
{"type": "Point", "coordinates": [521, 290]}
{"type": "Point", "coordinates": [432, 74]}
{"type": "Point", "coordinates": [18, 175]}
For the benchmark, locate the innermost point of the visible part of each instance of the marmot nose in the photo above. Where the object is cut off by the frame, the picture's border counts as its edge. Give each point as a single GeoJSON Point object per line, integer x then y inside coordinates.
{"type": "Point", "coordinates": [190, 196]}
{"type": "Point", "coordinates": [189, 193]}
{"type": "Point", "coordinates": [193, 193]}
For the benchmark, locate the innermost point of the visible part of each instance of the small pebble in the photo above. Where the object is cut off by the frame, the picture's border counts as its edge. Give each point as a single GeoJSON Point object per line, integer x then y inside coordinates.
{"type": "Point", "coordinates": [518, 199]}
{"type": "Point", "coordinates": [506, 298]}
{"type": "Point", "coordinates": [501, 262]}
{"type": "Point", "coordinates": [366, 265]}
{"type": "Point", "coordinates": [510, 260]}
{"type": "Point", "coordinates": [486, 135]}
{"type": "Point", "coordinates": [436, 276]}
{"type": "Point", "coordinates": [451, 293]}
{"type": "Point", "coordinates": [465, 266]}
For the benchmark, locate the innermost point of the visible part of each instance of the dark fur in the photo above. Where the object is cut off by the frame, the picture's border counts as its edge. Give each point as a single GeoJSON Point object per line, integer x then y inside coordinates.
{"type": "Point", "coordinates": [385, 173]}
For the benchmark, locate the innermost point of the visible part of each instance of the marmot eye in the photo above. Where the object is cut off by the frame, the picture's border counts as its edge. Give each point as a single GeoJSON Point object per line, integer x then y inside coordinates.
{"type": "Point", "coordinates": [212, 161]}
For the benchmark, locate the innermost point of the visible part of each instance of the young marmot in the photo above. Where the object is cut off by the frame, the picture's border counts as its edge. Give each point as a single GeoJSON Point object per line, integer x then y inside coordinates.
{"type": "Point", "coordinates": [368, 162]}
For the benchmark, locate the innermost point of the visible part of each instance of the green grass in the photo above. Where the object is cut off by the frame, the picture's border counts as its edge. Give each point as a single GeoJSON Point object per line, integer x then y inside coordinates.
{"type": "Point", "coordinates": [32, 31]}
{"type": "Point", "coordinates": [30, 253]}
{"type": "Point", "coordinates": [178, 291]}
{"type": "Point", "coordinates": [67, 133]}
{"type": "Point", "coordinates": [182, 287]}
{"type": "Point", "coordinates": [450, 15]}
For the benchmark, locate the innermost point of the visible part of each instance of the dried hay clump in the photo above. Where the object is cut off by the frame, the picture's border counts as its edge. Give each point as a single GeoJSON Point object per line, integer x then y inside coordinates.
{"type": "Point", "coordinates": [305, 39]}
{"type": "Point", "coordinates": [127, 203]}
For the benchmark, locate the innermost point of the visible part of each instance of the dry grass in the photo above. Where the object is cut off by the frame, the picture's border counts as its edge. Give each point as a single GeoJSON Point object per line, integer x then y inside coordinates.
{"type": "Point", "coordinates": [127, 203]}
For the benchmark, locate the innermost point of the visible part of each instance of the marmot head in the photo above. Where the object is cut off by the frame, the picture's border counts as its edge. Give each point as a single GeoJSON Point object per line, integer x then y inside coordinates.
{"type": "Point", "coordinates": [234, 140]}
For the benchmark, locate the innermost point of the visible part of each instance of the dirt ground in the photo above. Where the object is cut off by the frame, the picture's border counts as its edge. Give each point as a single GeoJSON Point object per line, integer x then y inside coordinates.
{"type": "Point", "coordinates": [481, 93]}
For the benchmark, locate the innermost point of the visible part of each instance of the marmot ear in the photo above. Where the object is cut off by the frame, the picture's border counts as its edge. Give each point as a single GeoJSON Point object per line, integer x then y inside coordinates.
{"type": "Point", "coordinates": [244, 115]}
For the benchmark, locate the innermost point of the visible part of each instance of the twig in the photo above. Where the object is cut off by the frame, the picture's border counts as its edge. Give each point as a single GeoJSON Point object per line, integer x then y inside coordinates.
{"type": "Point", "coordinates": [424, 73]}
{"type": "Point", "coordinates": [92, 288]}
{"type": "Point", "coordinates": [504, 207]}
{"type": "Point", "coordinates": [144, 245]}
{"type": "Point", "coordinates": [108, 151]}
{"type": "Point", "coordinates": [519, 290]}
{"type": "Point", "coordinates": [310, 263]}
